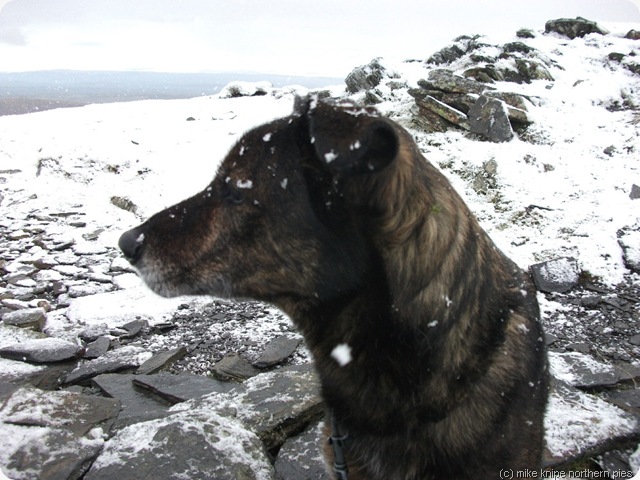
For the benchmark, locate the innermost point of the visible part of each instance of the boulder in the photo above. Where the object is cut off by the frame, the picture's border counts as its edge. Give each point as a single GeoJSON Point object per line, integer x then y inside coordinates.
{"type": "Point", "coordinates": [489, 117]}
{"type": "Point", "coordinates": [53, 435]}
{"type": "Point", "coordinates": [446, 55]}
{"type": "Point", "coordinates": [582, 371]}
{"type": "Point", "coordinates": [301, 458]}
{"type": "Point", "coordinates": [365, 77]}
{"type": "Point", "coordinates": [234, 367]}
{"type": "Point", "coordinates": [629, 241]}
{"type": "Point", "coordinates": [446, 81]}
{"type": "Point", "coordinates": [198, 445]}
{"type": "Point", "coordinates": [450, 114]}
{"type": "Point", "coordinates": [573, 27]}
{"type": "Point", "coordinates": [31, 318]}
{"type": "Point", "coordinates": [559, 275]}
{"type": "Point", "coordinates": [98, 347]}
{"type": "Point", "coordinates": [532, 70]}
{"type": "Point", "coordinates": [579, 424]}
{"type": "Point", "coordinates": [41, 350]}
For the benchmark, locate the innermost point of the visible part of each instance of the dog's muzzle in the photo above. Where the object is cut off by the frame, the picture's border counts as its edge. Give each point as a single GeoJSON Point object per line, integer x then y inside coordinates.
{"type": "Point", "coordinates": [132, 244]}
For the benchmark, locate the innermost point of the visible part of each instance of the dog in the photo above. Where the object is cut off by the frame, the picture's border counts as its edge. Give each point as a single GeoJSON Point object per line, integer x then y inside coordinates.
{"type": "Point", "coordinates": [426, 337]}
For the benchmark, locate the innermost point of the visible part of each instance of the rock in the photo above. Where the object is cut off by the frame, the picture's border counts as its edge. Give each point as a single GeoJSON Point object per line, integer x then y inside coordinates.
{"type": "Point", "coordinates": [532, 70]}
{"type": "Point", "coordinates": [238, 89]}
{"type": "Point", "coordinates": [615, 465]}
{"type": "Point", "coordinates": [53, 435]}
{"type": "Point", "coordinates": [446, 81]}
{"type": "Point", "coordinates": [429, 121]}
{"type": "Point", "coordinates": [277, 351]}
{"type": "Point", "coordinates": [559, 275]}
{"type": "Point", "coordinates": [582, 371]}
{"type": "Point", "coordinates": [445, 111]}
{"type": "Point", "coordinates": [635, 340]}
{"type": "Point", "coordinates": [93, 332]}
{"type": "Point", "coordinates": [274, 405]}
{"type": "Point", "coordinates": [125, 358]}
{"type": "Point", "coordinates": [517, 47]}
{"type": "Point", "coordinates": [633, 35]}
{"type": "Point", "coordinates": [628, 400]}
{"type": "Point", "coordinates": [525, 33]}
{"type": "Point", "coordinates": [573, 28]}
{"type": "Point", "coordinates": [583, 424]}
{"type": "Point", "coordinates": [182, 387]}
{"type": "Point", "coordinates": [234, 367]}
{"type": "Point", "coordinates": [98, 347]}
{"type": "Point", "coordinates": [133, 328]}
{"type": "Point", "coordinates": [300, 458]}
{"type": "Point", "coordinates": [629, 241]}
{"type": "Point", "coordinates": [161, 361]}
{"type": "Point", "coordinates": [635, 192]}
{"type": "Point", "coordinates": [137, 406]}
{"type": "Point", "coordinates": [41, 350]}
{"type": "Point", "coordinates": [365, 77]}
{"type": "Point", "coordinates": [446, 55]}
{"type": "Point", "coordinates": [31, 318]}
{"type": "Point", "coordinates": [125, 204]}
{"type": "Point", "coordinates": [489, 118]}
{"type": "Point", "coordinates": [198, 445]}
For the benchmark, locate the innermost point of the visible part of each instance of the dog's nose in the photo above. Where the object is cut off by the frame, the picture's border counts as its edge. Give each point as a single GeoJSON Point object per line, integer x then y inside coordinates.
{"type": "Point", "coordinates": [132, 243]}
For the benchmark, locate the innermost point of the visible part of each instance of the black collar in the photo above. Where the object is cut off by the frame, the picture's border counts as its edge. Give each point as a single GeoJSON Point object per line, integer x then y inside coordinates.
{"type": "Point", "coordinates": [338, 440]}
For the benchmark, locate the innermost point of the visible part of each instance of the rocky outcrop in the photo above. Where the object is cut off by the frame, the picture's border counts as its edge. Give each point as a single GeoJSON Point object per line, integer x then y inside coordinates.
{"type": "Point", "coordinates": [573, 28]}
{"type": "Point", "coordinates": [365, 77]}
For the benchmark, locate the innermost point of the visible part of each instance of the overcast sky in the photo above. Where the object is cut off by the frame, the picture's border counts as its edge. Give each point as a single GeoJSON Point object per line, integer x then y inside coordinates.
{"type": "Point", "coordinates": [319, 37]}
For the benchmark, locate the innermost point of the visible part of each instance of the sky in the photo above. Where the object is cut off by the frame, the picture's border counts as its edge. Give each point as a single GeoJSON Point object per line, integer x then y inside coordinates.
{"type": "Point", "coordinates": [291, 37]}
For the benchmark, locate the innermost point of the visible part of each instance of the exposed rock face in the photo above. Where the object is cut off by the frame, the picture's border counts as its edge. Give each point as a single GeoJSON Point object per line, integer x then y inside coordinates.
{"type": "Point", "coordinates": [573, 28]}
{"type": "Point", "coordinates": [365, 77]}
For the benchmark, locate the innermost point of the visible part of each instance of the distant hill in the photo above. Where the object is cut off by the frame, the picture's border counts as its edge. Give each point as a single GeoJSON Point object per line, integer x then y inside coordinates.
{"type": "Point", "coordinates": [26, 92]}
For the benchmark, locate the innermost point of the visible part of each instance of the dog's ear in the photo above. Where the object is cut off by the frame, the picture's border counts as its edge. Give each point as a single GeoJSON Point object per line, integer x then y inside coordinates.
{"type": "Point", "coordinates": [349, 139]}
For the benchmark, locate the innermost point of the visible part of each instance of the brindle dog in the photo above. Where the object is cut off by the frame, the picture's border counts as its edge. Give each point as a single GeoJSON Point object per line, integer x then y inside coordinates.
{"type": "Point", "coordinates": [333, 215]}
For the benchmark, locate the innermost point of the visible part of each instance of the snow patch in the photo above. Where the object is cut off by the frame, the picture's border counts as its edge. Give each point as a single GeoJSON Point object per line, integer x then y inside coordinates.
{"type": "Point", "coordinates": [342, 354]}
{"type": "Point", "coordinates": [244, 184]}
{"type": "Point", "coordinates": [330, 156]}
{"type": "Point", "coordinates": [267, 137]}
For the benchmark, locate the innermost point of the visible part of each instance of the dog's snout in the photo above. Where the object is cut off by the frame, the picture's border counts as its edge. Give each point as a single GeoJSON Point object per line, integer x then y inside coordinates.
{"type": "Point", "coordinates": [132, 244]}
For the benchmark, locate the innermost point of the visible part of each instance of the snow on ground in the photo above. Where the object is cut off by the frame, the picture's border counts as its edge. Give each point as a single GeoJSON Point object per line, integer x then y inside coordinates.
{"type": "Point", "coordinates": [155, 153]}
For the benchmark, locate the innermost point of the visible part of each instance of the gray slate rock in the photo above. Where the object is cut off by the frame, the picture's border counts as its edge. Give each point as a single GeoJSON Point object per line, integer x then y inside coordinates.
{"type": "Point", "coordinates": [277, 351]}
{"type": "Point", "coordinates": [301, 458]}
{"type": "Point", "coordinates": [41, 350]}
{"type": "Point", "coordinates": [582, 425]}
{"type": "Point", "coordinates": [98, 347]}
{"type": "Point", "coordinates": [234, 367]}
{"type": "Point", "coordinates": [161, 361]}
{"type": "Point", "coordinates": [446, 81]}
{"type": "Point", "coordinates": [582, 371]}
{"type": "Point", "coordinates": [63, 421]}
{"type": "Point", "coordinates": [31, 318]}
{"type": "Point", "coordinates": [274, 405]}
{"type": "Point", "coordinates": [573, 27]}
{"type": "Point", "coordinates": [365, 77]}
{"type": "Point", "coordinates": [629, 241]}
{"type": "Point", "coordinates": [198, 445]}
{"type": "Point", "coordinates": [137, 406]}
{"type": "Point", "coordinates": [559, 275]}
{"type": "Point", "coordinates": [489, 117]}
{"type": "Point", "coordinates": [182, 387]}
{"type": "Point", "coordinates": [125, 358]}
{"type": "Point", "coordinates": [445, 111]}
{"type": "Point", "coordinates": [635, 192]}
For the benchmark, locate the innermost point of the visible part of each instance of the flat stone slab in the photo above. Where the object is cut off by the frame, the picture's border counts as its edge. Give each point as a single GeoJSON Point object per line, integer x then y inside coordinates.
{"type": "Point", "coordinates": [559, 275]}
{"type": "Point", "coordinates": [41, 350]}
{"type": "Point", "coordinates": [52, 435]}
{"type": "Point", "coordinates": [274, 405]}
{"type": "Point", "coordinates": [98, 347]}
{"type": "Point", "coordinates": [161, 360]}
{"type": "Point", "coordinates": [124, 358]}
{"type": "Point", "coordinates": [579, 424]}
{"type": "Point", "coordinates": [582, 371]}
{"type": "Point", "coordinates": [277, 351]}
{"type": "Point", "coordinates": [301, 458]}
{"type": "Point", "coordinates": [198, 445]}
{"type": "Point", "coordinates": [182, 387]}
{"type": "Point", "coordinates": [137, 406]}
{"type": "Point", "coordinates": [234, 367]}
{"type": "Point", "coordinates": [31, 318]}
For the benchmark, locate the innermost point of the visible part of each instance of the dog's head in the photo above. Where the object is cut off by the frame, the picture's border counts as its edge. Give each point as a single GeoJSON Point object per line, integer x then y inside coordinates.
{"type": "Point", "coordinates": [276, 222]}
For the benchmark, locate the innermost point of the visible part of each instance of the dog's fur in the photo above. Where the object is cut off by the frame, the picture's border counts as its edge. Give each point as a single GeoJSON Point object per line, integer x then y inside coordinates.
{"type": "Point", "coordinates": [333, 215]}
